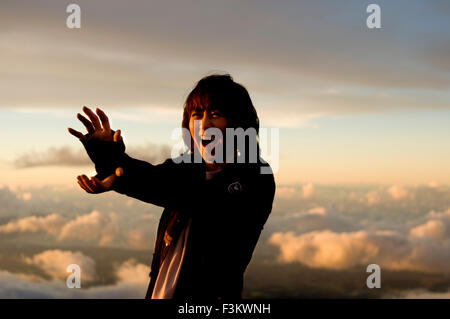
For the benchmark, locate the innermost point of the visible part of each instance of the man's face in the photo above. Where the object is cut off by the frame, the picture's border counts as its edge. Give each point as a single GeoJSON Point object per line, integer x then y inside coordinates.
{"type": "Point", "coordinates": [201, 120]}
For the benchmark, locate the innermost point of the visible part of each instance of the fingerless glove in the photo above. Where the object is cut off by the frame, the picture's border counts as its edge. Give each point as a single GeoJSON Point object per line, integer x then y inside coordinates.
{"type": "Point", "coordinates": [106, 155]}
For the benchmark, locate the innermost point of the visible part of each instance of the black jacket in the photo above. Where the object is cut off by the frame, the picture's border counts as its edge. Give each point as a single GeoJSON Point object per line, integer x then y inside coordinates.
{"type": "Point", "coordinates": [227, 215]}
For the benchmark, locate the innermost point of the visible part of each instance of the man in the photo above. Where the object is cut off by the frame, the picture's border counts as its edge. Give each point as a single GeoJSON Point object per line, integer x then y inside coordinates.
{"type": "Point", "coordinates": [214, 210]}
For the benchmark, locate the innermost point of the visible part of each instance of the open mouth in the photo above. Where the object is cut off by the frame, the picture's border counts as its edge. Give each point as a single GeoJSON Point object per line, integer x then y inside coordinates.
{"type": "Point", "coordinates": [206, 140]}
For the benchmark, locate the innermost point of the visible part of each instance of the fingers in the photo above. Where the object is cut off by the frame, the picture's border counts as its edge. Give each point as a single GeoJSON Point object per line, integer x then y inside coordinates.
{"type": "Point", "coordinates": [88, 185]}
{"type": "Point", "coordinates": [86, 123]}
{"type": "Point", "coordinates": [117, 137]}
{"type": "Point", "coordinates": [83, 186]}
{"type": "Point", "coordinates": [76, 134]}
{"type": "Point", "coordinates": [85, 183]}
{"type": "Point", "coordinates": [93, 118]}
{"type": "Point", "coordinates": [104, 119]}
{"type": "Point", "coordinates": [93, 123]}
{"type": "Point", "coordinates": [94, 185]}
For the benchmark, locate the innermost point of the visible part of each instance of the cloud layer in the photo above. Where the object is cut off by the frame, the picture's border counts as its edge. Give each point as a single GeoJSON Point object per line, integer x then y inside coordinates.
{"type": "Point", "coordinates": [335, 230]}
{"type": "Point", "coordinates": [66, 156]}
{"type": "Point", "coordinates": [132, 279]}
{"type": "Point", "coordinates": [337, 239]}
{"type": "Point", "coordinates": [54, 263]}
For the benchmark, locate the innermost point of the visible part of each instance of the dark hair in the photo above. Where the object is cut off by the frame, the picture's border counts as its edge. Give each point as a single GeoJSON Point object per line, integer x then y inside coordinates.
{"type": "Point", "coordinates": [220, 92]}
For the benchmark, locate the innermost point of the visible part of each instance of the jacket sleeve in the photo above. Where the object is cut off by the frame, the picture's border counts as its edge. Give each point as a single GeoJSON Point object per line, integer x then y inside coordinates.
{"type": "Point", "coordinates": [165, 184]}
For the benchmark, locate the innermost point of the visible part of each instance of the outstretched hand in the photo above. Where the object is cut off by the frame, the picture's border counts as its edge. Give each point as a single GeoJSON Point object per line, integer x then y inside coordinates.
{"type": "Point", "coordinates": [94, 127]}
{"type": "Point", "coordinates": [98, 128]}
{"type": "Point", "coordinates": [94, 185]}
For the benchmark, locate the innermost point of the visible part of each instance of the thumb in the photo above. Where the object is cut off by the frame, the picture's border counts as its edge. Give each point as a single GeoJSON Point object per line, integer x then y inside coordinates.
{"type": "Point", "coordinates": [107, 182]}
{"type": "Point", "coordinates": [117, 137]}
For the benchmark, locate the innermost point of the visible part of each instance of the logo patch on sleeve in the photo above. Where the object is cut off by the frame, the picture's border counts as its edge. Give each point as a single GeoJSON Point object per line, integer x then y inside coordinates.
{"type": "Point", "coordinates": [235, 187]}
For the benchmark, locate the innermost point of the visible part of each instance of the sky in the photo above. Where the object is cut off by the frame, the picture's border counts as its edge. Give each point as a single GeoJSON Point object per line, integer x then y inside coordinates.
{"type": "Point", "coordinates": [363, 118]}
{"type": "Point", "coordinates": [353, 105]}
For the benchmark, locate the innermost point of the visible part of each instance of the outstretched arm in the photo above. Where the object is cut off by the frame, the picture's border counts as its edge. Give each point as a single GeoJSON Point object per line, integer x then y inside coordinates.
{"type": "Point", "coordinates": [163, 185]}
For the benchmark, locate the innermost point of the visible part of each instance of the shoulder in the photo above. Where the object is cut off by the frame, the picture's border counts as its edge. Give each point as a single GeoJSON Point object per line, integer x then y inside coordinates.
{"type": "Point", "coordinates": [257, 176]}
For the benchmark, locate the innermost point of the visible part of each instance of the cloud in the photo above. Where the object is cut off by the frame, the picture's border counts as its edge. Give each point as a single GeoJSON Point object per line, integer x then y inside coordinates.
{"type": "Point", "coordinates": [318, 211]}
{"type": "Point", "coordinates": [286, 192]}
{"type": "Point", "coordinates": [133, 228]}
{"type": "Point", "coordinates": [51, 224]}
{"type": "Point", "coordinates": [308, 190]}
{"type": "Point", "coordinates": [386, 226]}
{"type": "Point", "coordinates": [424, 248]}
{"type": "Point", "coordinates": [325, 249]}
{"type": "Point", "coordinates": [131, 272]}
{"type": "Point", "coordinates": [65, 156]}
{"type": "Point", "coordinates": [444, 214]}
{"type": "Point", "coordinates": [433, 184]}
{"type": "Point", "coordinates": [132, 282]}
{"type": "Point", "coordinates": [94, 226]}
{"type": "Point", "coordinates": [272, 58]}
{"type": "Point", "coordinates": [26, 196]}
{"type": "Point", "coordinates": [53, 156]}
{"type": "Point", "coordinates": [12, 202]}
{"type": "Point", "coordinates": [424, 294]}
{"type": "Point", "coordinates": [55, 262]}
{"type": "Point", "coordinates": [433, 228]}
{"type": "Point", "coordinates": [372, 197]}
{"type": "Point", "coordinates": [398, 192]}
{"type": "Point", "coordinates": [139, 239]}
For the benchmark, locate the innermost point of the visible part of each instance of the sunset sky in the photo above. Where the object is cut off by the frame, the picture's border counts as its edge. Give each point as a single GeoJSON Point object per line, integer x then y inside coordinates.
{"type": "Point", "coordinates": [363, 118]}
{"type": "Point", "coordinates": [353, 105]}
